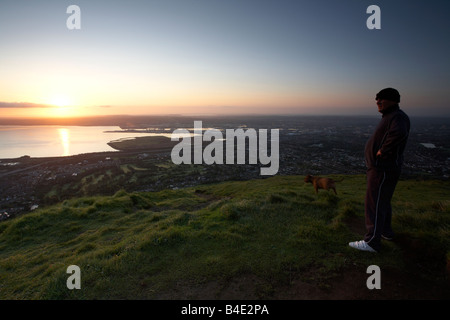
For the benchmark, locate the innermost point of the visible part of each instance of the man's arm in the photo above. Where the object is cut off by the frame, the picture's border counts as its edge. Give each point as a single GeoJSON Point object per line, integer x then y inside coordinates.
{"type": "Point", "coordinates": [398, 132]}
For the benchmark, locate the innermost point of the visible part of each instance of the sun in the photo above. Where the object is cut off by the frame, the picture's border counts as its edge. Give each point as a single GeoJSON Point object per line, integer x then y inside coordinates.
{"type": "Point", "coordinates": [61, 106]}
{"type": "Point", "coordinates": [61, 101]}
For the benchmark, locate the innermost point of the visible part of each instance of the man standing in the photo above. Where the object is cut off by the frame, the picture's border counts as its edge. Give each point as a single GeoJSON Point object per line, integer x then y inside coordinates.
{"type": "Point", "coordinates": [384, 158]}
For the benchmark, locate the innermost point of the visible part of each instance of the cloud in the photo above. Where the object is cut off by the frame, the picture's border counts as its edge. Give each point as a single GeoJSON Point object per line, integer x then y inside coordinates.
{"type": "Point", "coordinates": [23, 105]}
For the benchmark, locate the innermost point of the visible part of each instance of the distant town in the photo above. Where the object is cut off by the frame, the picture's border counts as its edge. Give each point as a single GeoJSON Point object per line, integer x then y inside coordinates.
{"type": "Point", "coordinates": [308, 145]}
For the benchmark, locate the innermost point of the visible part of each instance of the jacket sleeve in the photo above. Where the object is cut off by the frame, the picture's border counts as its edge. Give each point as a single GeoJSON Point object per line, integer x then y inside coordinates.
{"type": "Point", "coordinates": [397, 132]}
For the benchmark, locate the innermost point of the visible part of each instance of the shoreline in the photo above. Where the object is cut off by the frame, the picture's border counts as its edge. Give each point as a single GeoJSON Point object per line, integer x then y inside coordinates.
{"type": "Point", "coordinates": [45, 141]}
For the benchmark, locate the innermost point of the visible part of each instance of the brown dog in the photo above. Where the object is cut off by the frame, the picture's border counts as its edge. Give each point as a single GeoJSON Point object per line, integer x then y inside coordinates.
{"type": "Point", "coordinates": [321, 183]}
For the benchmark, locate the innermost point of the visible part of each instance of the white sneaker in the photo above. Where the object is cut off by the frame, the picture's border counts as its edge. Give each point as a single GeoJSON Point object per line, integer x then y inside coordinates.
{"type": "Point", "coordinates": [361, 245]}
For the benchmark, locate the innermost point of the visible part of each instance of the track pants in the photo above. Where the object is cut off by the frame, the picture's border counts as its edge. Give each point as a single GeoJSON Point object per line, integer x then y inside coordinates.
{"type": "Point", "coordinates": [378, 211]}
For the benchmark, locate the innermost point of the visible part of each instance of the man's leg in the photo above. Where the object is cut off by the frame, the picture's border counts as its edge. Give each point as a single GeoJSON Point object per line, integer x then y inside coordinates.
{"type": "Point", "coordinates": [390, 184]}
{"type": "Point", "coordinates": [378, 210]}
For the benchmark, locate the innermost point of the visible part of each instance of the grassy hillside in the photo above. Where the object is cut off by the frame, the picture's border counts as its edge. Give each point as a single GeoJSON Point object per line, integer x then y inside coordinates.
{"type": "Point", "coordinates": [272, 232]}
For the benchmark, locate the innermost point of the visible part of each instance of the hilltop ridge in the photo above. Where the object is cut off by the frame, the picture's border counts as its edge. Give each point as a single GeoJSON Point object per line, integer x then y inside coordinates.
{"type": "Point", "coordinates": [259, 239]}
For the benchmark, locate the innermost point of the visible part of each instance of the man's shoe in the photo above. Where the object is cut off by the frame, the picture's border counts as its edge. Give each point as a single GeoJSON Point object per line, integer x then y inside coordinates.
{"type": "Point", "coordinates": [361, 245]}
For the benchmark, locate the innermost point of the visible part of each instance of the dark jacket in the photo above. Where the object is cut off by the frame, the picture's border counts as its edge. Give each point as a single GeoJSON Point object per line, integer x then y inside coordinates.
{"type": "Point", "coordinates": [390, 137]}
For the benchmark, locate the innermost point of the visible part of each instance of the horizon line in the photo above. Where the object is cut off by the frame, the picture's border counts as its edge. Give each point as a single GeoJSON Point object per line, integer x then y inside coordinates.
{"type": "Point", "coordinates": [62, 118]}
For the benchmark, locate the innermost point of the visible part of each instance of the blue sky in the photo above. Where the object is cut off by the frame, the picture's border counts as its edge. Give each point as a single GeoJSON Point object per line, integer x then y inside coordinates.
{"type": "Point", "coordinates": [222, 56]}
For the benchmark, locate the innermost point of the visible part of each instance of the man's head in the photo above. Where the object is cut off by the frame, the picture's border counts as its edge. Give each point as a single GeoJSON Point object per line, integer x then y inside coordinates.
{"type": "Point", "coordinates": [387, 98]}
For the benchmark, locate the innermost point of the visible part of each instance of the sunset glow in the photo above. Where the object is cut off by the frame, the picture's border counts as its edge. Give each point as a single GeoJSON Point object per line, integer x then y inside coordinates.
{"type": "Point", "coordinates": [219, 57]}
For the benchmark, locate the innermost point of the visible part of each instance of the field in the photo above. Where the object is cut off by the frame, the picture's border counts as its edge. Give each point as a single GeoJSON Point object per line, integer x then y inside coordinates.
{"type": "Point", "coordinates": [268, 238]}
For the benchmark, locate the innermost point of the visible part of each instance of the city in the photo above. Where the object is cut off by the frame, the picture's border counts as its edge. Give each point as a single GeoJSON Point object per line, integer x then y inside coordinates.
{"type": "Point", "coordinates": [308, 145]}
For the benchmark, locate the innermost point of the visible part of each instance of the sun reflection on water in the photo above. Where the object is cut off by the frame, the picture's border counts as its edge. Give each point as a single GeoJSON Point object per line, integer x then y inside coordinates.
{"type": "Point", "coordinates": [65, 142]}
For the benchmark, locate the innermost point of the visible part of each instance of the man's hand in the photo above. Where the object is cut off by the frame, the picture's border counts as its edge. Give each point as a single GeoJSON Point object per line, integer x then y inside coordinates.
{"type": "Point", "coordinates": [379, 153]}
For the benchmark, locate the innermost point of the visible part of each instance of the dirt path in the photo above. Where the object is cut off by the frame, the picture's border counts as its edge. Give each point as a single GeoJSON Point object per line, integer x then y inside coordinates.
{"type": "Point", "coordinates": [350, 285]}
{"type": "Point", "coordinates": [418, 282]}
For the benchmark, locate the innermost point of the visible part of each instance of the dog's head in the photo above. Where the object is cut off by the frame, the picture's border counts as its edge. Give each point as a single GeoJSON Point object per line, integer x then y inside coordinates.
{"type": "Point", "coordinates": [308, 178]}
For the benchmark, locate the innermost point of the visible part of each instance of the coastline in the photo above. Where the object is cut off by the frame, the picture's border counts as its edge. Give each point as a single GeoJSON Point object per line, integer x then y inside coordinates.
{"type": "Point", "coordinates": [55, 140]}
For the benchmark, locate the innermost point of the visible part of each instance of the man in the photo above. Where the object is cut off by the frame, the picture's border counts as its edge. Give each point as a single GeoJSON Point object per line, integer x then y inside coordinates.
{"type": "Point", "coordinates": [384, 158]}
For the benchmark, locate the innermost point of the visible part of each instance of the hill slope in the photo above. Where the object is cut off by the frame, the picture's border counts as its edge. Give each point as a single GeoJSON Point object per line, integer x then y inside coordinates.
{"type": "Point", "coordinates": [261, 239]}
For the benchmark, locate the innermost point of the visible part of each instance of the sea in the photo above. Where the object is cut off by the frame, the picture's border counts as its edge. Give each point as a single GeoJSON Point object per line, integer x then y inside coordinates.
{"type": "Point", "coordinates": [55, 141]}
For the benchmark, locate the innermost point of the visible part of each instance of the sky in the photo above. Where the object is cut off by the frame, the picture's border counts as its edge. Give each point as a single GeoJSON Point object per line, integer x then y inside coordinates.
{"type": "Point", "coordinates": [221, 57]}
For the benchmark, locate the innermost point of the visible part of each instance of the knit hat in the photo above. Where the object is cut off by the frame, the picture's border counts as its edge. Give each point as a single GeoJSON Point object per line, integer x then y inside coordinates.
{"type": "Point", "coordinates": [388, 94]}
